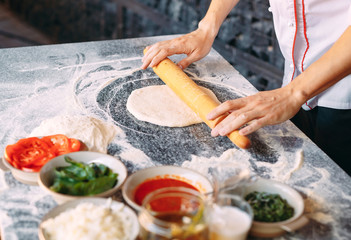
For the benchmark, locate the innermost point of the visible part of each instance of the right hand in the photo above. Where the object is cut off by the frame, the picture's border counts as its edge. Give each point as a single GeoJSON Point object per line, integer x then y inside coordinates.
{"type": "Point", "coordinates": [195, 45]}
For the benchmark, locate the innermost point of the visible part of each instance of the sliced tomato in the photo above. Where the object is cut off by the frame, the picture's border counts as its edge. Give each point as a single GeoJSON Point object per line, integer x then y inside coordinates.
{"type": "Point", "coordinates": [30, 154]}
{"type": "Point", "coordinates": [60, 143]}
{"type": "Point", "coordinates": [9, 150]}
{"type": "Point", "coordinates": [31, 169]}
{"type": "Point", "coordinates": [63, 144]}
{"type": "Point", "coordinates": [32, 142]}
{"type": "Point", "coordinates": [74, 144]}
{"type": "Point", "coordinates": [27, 156]}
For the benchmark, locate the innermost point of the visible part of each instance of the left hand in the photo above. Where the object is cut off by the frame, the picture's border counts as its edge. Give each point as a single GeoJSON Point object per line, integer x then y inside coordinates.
{"type": "Point", "coordinates": [261, 109]}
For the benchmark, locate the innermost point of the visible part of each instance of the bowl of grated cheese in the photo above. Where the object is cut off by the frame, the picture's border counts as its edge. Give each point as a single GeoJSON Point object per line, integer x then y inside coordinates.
{"type": "Point", "coordinates": [90, 219]}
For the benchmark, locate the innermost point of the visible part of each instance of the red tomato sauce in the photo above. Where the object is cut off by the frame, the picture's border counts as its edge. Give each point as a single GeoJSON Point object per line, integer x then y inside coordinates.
{"type": "Point", "coordinates": [151, 185]}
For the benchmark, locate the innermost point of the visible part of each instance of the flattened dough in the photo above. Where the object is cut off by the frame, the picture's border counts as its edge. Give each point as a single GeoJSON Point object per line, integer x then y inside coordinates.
{"type": "Point", "coordinates": [161, 106]}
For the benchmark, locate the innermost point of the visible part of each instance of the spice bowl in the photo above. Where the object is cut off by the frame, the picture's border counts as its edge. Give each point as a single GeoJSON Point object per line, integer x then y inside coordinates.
{"type": "Point", "coordinates": [188, 176]}
{"type": "Point", "coordinates": [47, 173]}
{"type": "Point", "coordinates": [293, 198]}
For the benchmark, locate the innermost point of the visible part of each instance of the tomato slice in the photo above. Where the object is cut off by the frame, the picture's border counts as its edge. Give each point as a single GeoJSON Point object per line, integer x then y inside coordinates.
{"type": "Point", "coordinates": [9, 150]}
{"type": "Point", "coordinates": [33, 142]}
{"type": "Point", "coordinates": [30, 154]}
{"type": "Point", "coordinates": [31, 169]}
{"type": "Point", "coordinates": [60, 143]}
{"type": "Point", "coordinates": [74, 144]}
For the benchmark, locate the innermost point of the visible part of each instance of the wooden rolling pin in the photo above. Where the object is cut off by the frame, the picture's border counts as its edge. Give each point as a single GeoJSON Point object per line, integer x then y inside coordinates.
{"type": "Point", "coordinates": [185, 88]}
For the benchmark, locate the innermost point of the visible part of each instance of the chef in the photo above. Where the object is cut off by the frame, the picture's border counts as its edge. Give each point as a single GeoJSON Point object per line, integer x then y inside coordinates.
{"type": "Point", "coordinates": [315, 39]}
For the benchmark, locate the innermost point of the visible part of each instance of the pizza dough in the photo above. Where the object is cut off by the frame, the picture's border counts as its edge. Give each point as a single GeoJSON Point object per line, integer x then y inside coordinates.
{"type": "Point", "coordinates": [161, 106]}
{"type": "Point", "coordinates": [94, 133]}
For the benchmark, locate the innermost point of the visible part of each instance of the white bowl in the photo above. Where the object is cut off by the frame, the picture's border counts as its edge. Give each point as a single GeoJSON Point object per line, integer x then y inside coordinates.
{"type": "Point", "coordinates": [30, 178]}
{"type": "Point", "coordinates": [46, 174]}
{"type": "Point", "coordinates": [96, 201]}
{"type": "Point", "coordinates": [298, 220]}
{"type": "Point", "coordinates": [190, 176]}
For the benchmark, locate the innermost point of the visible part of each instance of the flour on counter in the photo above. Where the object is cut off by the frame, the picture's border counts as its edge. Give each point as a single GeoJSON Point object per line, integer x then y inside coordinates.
{"type": "Point", "coordinates": [87, 89]}
{"type": "Point", "coordinates": [137, 158]}
{"type": "Point", "coordinates": [94, 133]}
{"type": "Point", "coordinates": [299, 159]}
{"type": "Point", "coordinates": [283, 170]}
{"type": "Point", "coordinates": [232, 157]}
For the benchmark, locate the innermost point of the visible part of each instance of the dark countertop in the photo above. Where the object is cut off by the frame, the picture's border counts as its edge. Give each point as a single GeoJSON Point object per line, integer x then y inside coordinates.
{"type": "Point", "coordinates": [96, 78]}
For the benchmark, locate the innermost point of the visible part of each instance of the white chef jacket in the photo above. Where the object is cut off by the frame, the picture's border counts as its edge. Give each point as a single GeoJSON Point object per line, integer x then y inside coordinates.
{"type": "Point", "coordinates": [305, 36]}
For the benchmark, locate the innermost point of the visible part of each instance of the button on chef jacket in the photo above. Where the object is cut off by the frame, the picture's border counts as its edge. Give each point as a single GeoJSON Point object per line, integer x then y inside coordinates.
{"type": "Point", "coordinates": [305, 30]}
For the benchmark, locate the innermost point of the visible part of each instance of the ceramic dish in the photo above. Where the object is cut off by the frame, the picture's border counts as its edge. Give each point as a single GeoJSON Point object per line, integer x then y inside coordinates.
{"type": "Point", "coordinates": [268, 230]}
{"type": "Point", "coordinates": [128, 212]}
{"type": "Point", "coordinates": [46, 174]}
{"type": "Point", "coordinates": [30, 178]}
{"type": "Point", "coordinates": [184, 174]}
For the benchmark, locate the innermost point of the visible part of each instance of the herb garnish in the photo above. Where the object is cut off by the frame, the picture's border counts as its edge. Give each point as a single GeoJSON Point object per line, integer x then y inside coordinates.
{"type": "Point", "coordinates": [268, 207]}
{"type": "Point", "coordinates": [81, 179]}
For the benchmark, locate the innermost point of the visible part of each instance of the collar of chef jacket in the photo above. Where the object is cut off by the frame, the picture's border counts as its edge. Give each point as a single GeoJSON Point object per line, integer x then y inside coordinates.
{"type": "Point", "coordinates": [305, 30]}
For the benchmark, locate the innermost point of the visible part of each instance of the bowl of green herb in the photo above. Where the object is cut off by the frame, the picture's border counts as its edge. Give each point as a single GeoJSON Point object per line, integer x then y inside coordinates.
{"type": "Point", "coordinates": [277, 208]}
{"type": "Point", "coordinates": [82, 174]}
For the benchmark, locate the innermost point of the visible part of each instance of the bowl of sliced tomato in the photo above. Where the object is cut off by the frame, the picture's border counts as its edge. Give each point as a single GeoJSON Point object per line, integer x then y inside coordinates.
{"type": "Point", "coordinates": [27, 156]}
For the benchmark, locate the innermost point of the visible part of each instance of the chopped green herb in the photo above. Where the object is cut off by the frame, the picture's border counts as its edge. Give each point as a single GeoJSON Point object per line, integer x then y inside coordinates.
{"type": "Point", "coordinates": [81, 179]}
{"type": "Point", "coordinates": [268, 207]}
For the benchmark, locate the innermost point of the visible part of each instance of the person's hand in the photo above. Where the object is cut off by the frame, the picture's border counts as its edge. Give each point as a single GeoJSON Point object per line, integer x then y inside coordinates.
{"type": "Point", "coordinates": [195, 45]}
{"type": "Point", "coordinates": [261, 109]}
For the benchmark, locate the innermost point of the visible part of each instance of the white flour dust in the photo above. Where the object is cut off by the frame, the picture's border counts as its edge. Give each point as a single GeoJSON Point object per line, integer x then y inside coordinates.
{"type": "Point", "coordinates": [91, 85]}
{"type": "Point", "coordinates": [286, 169]}
{"type": "Point", "coordinates": [232, 157]}
{"type": "Point", "coordinates": [283, 170]}
{"type": "Point", "coordinates": [136, 158]}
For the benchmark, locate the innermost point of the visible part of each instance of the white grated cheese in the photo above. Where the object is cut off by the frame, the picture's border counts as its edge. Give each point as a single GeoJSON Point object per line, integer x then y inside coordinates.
{"type": "Point", "coordinates": [89, 222]}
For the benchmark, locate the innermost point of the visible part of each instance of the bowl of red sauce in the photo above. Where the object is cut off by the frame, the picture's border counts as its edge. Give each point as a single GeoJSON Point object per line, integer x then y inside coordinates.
{"type": "Point", "coordinates": [139, 184]}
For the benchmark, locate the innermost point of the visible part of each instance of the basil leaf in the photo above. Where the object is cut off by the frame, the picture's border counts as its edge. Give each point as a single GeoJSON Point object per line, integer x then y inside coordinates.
{"type": "Point", "coordinates": [83, 179]}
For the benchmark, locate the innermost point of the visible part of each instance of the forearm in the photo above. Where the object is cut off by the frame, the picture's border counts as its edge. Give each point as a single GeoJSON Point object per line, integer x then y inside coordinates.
{"type": "Point", "coordinates": [216, 14]}
{"type": "Point", "coordinates": [333, 66]}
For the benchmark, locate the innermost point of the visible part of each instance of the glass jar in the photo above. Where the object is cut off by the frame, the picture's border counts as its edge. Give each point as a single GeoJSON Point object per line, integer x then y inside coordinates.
{"type": "Point", "coordinates": [229, 217]}
{"type": "Point", "coordinates": [173, 213]}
